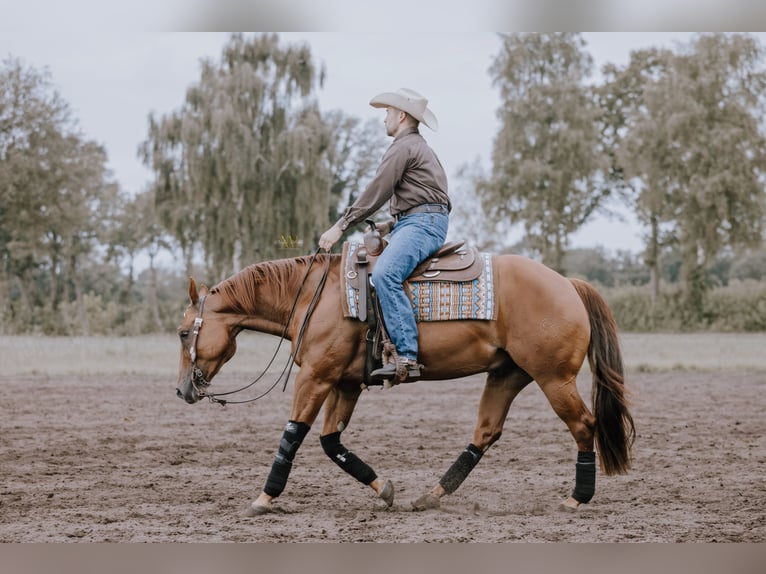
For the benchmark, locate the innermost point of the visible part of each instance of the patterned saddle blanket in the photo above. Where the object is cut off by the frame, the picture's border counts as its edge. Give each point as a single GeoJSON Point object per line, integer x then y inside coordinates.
{"type": "Point", "coordinates": [458, 286]}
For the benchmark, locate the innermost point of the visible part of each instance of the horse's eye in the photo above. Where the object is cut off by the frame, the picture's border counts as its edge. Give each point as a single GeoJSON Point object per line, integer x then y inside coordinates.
{"type": "Point", "coordinates": [183, 334]}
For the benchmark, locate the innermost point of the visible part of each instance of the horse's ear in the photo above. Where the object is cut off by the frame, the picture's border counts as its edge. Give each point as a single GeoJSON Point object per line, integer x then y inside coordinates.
{"type": "Point", "coordinates": [193, 295]}
{"type": "Point", "coordinates": [203, 290]}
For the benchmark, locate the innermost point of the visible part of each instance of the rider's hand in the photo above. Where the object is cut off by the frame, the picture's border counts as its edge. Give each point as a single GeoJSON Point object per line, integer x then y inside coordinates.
{"type": "Point", "coordinates": [330, 237]}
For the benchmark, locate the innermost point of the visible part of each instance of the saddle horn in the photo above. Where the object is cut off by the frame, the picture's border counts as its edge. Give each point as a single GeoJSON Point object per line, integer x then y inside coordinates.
{"type": "Point", "coordinates": [373, 241]}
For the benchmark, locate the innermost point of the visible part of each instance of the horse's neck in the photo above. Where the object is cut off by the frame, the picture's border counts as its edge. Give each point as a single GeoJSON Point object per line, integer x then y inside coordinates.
{"type": "Point", "coordinates": [274, 294]}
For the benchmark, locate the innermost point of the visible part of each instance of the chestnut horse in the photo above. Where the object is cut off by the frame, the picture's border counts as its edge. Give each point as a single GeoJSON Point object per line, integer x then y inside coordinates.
{"type": "Point", "coordinates": [545, 328]}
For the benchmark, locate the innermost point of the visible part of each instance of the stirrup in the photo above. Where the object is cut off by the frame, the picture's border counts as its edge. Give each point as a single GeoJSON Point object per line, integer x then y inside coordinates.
{"type": "Point", "coordinates": [395, 372]}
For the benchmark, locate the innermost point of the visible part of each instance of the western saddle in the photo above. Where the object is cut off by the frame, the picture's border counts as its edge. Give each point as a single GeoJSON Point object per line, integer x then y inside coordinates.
{"type": "Point", "coordinates": [451, 262]}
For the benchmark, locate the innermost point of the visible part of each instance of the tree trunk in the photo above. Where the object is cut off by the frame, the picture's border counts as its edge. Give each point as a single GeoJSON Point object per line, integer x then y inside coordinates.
{"type": "Point", "coordinates": [153, 298]}
{"type": "Point", "coordinates": [236, 258]}
{"type": "Point", "coordinates": [128, 301]}
{"type": "Point", "coordinates": [53, 297]}
{"type": "Point", "coordinates": [694, 280]}
{"type": "Point", "coordinates": [79, 299]}
{"type": "Point", "coordinates": [558, 255]}
{"type": "Point", "coordinates": [653, 260]}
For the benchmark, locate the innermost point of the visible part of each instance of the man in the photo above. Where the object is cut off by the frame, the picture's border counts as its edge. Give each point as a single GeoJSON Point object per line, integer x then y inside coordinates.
{"type": "Point", "coordinates": [412, 178]}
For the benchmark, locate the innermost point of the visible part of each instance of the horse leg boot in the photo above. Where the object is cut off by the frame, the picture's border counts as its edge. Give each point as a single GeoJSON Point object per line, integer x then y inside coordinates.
{"type": "Point", "coordinates": [292, 437]}
{"type": "Point", "coordinates": [499, 392]}
{"type": "Point", "coordinates": [354, 466]}
{"type": "Point", "coordinates": [338, 410]}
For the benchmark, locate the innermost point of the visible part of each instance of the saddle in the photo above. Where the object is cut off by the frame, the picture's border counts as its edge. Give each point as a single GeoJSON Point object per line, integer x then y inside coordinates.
{"type": "Point", "coordinates": [450, 263]}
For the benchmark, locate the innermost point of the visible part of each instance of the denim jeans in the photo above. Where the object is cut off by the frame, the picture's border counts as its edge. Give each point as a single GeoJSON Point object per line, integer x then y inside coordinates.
{"type": "Point", "coordinates": [413, 239]}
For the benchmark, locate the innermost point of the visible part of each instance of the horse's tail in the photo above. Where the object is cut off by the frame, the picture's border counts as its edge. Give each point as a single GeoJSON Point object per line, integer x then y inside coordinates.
{"type": "Point", "coordinates": [615, 431]}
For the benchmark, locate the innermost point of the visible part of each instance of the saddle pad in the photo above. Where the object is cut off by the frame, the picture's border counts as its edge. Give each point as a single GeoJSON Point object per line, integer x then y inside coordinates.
{"type": "Point", "coordinates": [433, 300]}
{"type": "Point", "coordinates": [455, 301]}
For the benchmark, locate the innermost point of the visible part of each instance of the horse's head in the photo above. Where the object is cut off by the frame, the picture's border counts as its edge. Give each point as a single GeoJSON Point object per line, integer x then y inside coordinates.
{"type": "Point", "coordinates": [207, 342]}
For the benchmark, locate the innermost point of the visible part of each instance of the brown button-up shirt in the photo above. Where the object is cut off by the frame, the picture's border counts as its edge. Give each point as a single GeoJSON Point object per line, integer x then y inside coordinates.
{"type": "Point", "coordinates": [409, 175]}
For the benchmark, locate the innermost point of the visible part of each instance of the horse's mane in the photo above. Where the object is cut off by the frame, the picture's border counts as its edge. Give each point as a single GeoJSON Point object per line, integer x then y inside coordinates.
{"type": "Point", "coordinates": [240, 292]}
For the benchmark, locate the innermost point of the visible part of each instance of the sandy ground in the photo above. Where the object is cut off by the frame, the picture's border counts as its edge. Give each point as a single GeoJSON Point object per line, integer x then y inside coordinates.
{"type": "Point", "coordinates": [121, 459]}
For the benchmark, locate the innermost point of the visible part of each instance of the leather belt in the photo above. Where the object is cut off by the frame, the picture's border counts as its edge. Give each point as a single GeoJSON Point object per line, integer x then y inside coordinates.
{"type": "Point", "coordinates": [425, 208]}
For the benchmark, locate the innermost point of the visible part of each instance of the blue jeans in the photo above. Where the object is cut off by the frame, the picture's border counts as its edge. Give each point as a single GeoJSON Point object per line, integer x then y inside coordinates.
{"type": "Point", "coordinates": [412, 240]}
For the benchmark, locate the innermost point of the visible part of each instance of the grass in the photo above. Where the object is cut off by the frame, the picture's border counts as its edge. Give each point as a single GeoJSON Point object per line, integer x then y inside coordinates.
{"type": "Point", "coordinates": [158, 354]}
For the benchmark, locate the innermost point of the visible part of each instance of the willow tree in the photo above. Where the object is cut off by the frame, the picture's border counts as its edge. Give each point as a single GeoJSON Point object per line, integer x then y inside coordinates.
{"type": "Point", "coordinates": [240, 167]}
{"type": "Point", "coordinates": [353, 157]}
{"type": "Point", "coordinates": [546, 158]}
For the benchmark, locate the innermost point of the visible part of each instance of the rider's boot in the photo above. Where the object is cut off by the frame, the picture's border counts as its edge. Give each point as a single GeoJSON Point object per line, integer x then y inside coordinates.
{"type": "Point", "coordinates": [401, 371]}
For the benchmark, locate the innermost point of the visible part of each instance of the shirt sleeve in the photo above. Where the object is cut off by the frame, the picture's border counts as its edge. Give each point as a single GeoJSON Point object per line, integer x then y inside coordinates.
{"type": "Point", "coordinates": [380, 189]}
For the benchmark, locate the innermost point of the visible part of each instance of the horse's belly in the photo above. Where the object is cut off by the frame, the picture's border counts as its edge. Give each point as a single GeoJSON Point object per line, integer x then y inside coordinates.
{"type": "Point", "coordinates": [454, 349]}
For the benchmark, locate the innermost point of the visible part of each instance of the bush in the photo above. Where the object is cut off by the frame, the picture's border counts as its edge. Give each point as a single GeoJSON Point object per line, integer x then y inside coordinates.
{"type": "Point", "coordinates": [737, 307]}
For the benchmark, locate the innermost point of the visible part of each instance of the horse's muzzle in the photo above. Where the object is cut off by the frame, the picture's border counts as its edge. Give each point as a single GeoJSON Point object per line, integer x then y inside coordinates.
{"type": "Point", "coordinates": [190, 397]}
{"type": "Point", "coordinates": [192, 385]}
{"type": "Point", "coordinates": [187, 392]}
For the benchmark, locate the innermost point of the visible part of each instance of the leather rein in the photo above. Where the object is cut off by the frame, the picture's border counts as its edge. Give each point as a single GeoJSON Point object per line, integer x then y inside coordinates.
{"type": "Point", "coordinates": [200, 383]}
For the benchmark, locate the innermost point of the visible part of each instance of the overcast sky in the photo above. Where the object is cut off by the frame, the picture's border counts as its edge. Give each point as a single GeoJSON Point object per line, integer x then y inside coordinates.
{"type": "Point", "coordinates": [113, 78]}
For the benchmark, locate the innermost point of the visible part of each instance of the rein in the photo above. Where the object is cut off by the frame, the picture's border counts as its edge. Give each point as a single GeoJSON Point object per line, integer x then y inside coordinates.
{"type": "Point", "coordinates": [198, 377]}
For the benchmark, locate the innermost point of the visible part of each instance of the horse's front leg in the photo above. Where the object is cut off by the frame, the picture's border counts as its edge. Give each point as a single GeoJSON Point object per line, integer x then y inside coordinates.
{"type": "Point", "coordinates": [499, 391]}
{"type": "Point", "coordinates": [310, 393]}
{"type": "Point", "coordinates": [338, 410]}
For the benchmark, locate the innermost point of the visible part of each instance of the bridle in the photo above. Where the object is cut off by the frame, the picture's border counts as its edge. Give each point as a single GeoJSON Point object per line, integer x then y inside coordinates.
{"type": "Point", "coordinates": [200, 383]}
{"type": "Point", "coordinates": [197, 376]}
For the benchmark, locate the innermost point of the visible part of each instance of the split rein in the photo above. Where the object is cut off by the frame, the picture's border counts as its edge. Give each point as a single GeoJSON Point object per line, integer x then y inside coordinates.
{"type": "Point", "coordinates": [197, 377]}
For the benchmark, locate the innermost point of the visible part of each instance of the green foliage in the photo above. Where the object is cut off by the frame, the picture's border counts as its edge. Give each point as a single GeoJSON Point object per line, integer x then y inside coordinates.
{"type": "Point", "coordinates": [738, 307]}
{"type": "Point", "coordinates": [751, 265]}
{"type": "Point", "coordinates": [248, 163]}
{"type": "Point", "coordinates": [248, 168]}
{"type": "Point", "coordinates": [57, 197]}
{"type": "Point", "coordinates": [546, 157]}
{"type": "Point", "coordinates": [688, 142]}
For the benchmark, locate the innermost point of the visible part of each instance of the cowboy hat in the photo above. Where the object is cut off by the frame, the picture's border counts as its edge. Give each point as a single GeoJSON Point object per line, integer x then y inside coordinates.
{"type": "Point", "coordinates": [408, 101]}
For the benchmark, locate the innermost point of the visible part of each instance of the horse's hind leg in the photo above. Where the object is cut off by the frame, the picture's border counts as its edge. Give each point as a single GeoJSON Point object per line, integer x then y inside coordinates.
{"type": "Point", "coordinates": [499, 391]}
{"type": "Point", "coordinates": [338, 410]}
{"type": "Point", "coordinates": [569, 406]}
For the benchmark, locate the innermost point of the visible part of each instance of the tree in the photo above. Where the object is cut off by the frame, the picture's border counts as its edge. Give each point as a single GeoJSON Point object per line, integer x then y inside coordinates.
{"type": "Point", "coordinates": [32, 118]}
{"type": "Point", "coordinates": [137, 230]}
{"type": "Point", "coordinates": [55, 189]}
{"type": "Point", "coordinates": [697, 149]}
{"type": "Point", "coordinates": [637, 164]}
{"type": "Point", "coordinates": [468, 221]}
{"type": "Point", "coordinates": [354, 154]}
{"type": "Point", "coordinates": [547, 162]}
{"type": "Point", "coordinates": [241, 165]}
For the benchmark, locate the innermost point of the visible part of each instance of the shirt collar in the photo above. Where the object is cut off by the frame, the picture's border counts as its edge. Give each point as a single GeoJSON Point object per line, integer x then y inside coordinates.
{"type": "Point", "coordinates": [407, 132]}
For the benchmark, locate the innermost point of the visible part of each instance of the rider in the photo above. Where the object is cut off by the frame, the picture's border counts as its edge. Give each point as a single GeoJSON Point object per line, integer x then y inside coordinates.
{"type": "Point", "coordinates": [411, 176]}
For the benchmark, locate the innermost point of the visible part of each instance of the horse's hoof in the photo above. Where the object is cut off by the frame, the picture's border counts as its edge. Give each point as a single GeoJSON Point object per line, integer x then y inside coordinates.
{"type": "Point", "coordinates": [426, 502]}
{"type": "Point", "coordinates": [257, 510]}
{"type": "Point", "coordinates": [387, 493]}
{"type": "Point", "coordinates": [569, 505]}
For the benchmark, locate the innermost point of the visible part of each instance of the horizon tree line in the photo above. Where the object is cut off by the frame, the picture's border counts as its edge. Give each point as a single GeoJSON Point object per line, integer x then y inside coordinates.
{"type": "Point", "coordinates": [248, 168]}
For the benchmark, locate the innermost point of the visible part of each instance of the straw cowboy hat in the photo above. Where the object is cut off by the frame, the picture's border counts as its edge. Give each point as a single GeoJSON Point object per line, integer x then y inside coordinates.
{"type": "Point", "coordinates": [408, 101]}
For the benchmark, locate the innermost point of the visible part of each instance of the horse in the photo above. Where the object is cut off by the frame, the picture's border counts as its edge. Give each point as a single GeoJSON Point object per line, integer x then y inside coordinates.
{"type": "Point", "coordinates": [545, 327]}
